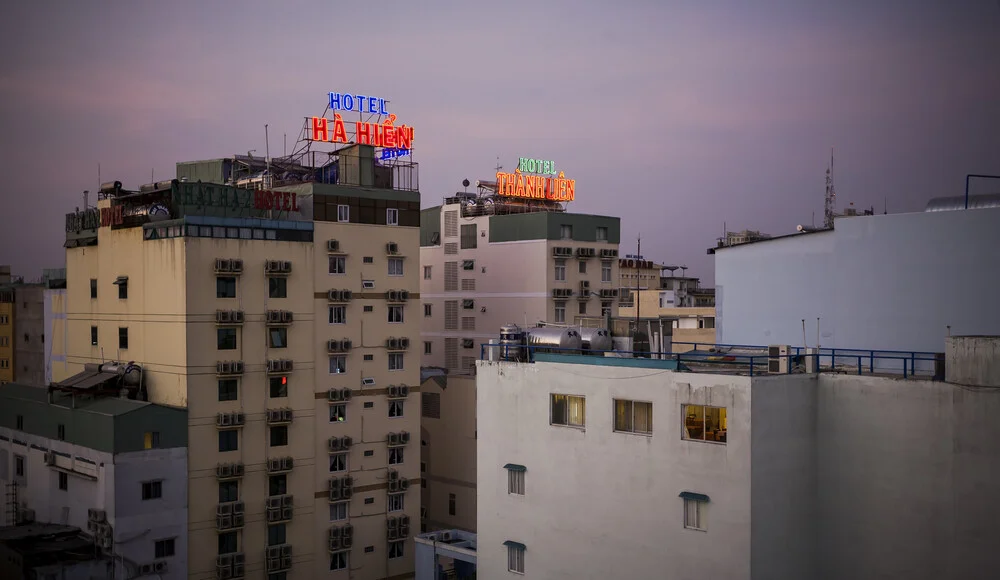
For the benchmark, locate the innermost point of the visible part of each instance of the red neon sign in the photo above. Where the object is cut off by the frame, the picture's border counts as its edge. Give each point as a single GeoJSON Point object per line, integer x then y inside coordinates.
{"type": "Point", "coordinates": [278, 200]}
{"type": "Point", "coordinates": [378, 135]}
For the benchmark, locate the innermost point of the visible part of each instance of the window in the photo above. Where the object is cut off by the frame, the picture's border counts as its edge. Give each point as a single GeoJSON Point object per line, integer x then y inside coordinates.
{"type": "Point", "coordinates": [163, 548]}
{"type": "Point", "coordinates": [427, 347]}
{"type": "Point", "coordinates": [569, 410]}
{"type": "Point", "coordinates": [395, 455]}
{"type": "Point", "coordinates": [151, 440]}
{"type": "Point", "coordinates": [338, 560]}
{"type": "Point", "coordinates": [61, 432]}
{"type": "Point", "coordinates": [277, 484]}
{"type": "Point", "coordinates": [343, 213]}
{"type": "Point", "coordinates": [279, 435]}
{"type": "Point", "coordinates": [396, 549]}
{"type": "Point", "coordinates": [227, 389]}
{"type": "Point", "coordinates": [226, 338]}
{"type": "Point", "coordinates": [225, 287]}
{"type": "Point", "coordinates": [277, 337]}
{"type": "Point", "coordinates": [702, 423]}
{"type": "Point", "coordinates": [123, 289]}
{"type": "Point", "coordinates": [4, 363]}
{"type": "Point", "coordinates": [338, 462]}
{"type": "Point", "coordinates": [338, 265]}
{"type": "Point", "coordinates": [276, 534]}
{"type": "Point", "coordinates": [427, 272]}
{"type": "Point", "coordinates": [396, 408]}
{"type": "Point", "coordinates": [152, 490]}
{"type": "Point", "coordinates": [395, 502]}
{"type": "Point", "coordinates": [560, 312]}
{"type": "Point", "coordinates": [19, 465]}
{"type": "Point", "coordinates": [395, 266]}
{"type": "Point", "coordinates": [395, 361]}
{"type": "Point", "coordinates": [369, 308]}
{"type": "Point", "coordinates": [605, 271]}
{"type": "Point", "coordinates": [515, 479]}
{"type": "Point", "coordinates": [468, 265]}
{"type": "Point", "coordinates": [430, 405]}
{"type": "Point", "coordinates": [583, 267]}
{"type": "Point", "coordinates": [20, 422]}
{"type": "Point", "coordinates": [605, 308]}
{"type": "Point", "coordinates": [339, 511]}
{"type": "Point", "coordinates": [633, 417]}
{"type": "Point", "coordinates": [64, 481]}
{"type": "Point", "coordinates": [338, 314]}
{"type": "Point", "coordinates": [566, 232]}
{"type": "Point", "coordinates": [451, 504]}
{"type": "Point", "coordinates": [602, 234]}
{"type": "Point", "coordinates": [93, 335]}
{"type": "Point", "coordinates": [427, 310]}
{"type": "Point", "coordinates": [583, 307]}
{"type": "Point", "coordinates": [93, 288]}
{"type": "Point", "coordinates": [369, 357]}
{"type": "Point", "coordinates": [338, 365]}
{"type": "Point", "coordinates": [368, 260]}
{"type": "Point", "coordinates": [560, 269]}
{"type": "Point", "coordinates": [368, 285]}
{"type": "Point", "coordinates": [278, 387]}
{"type": "Point", "coordinates": [468, 239]}
{"type": "Point", "coordinates": [229, 440]}
{"type": "Point", "coordinates": [227, 543]}
{"type": "Point", "coordinates": [229, 491]}
{"type": "Point", "coordinates": [277, 287]}
{"type": "Point", "coordinates": [395, 314]}
{"type": "Point", "coordinates": [515, 557]}
{"type": "Point", "coordinates": [392, 217]}
{"type": "Point", "coordinates": [338, 413]}
{"type": "Point", "coordinates": [694, 510]}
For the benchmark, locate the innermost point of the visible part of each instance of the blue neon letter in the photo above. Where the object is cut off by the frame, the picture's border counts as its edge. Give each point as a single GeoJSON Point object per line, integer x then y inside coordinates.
{"type": "Point", "coordinates": [334, 101]}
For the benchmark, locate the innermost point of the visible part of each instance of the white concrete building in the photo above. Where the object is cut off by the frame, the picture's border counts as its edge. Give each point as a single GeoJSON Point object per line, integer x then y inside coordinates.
{"type": "Point", "coordinates": [482, 268]}
{"type": "Point", "coordinates": [626, 468]}
{"type": "Point", "coordinates": [893, 282]}
{"type": "Point", "coordinates": [115, 468]}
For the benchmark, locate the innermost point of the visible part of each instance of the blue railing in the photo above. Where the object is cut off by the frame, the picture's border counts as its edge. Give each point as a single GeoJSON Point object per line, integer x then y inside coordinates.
{"type": "Point", "coordinates": [909, 363]}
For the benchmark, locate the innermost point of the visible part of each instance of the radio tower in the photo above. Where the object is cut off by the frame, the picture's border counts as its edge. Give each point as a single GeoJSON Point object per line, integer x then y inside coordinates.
{"type": "Point", "coordinates": [831, 196]}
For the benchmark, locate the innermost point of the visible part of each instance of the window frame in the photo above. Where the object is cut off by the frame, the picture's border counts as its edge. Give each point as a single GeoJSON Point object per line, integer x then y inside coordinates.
{"type": "Point", "coordinates": [606, 271]}
{"type": "Point", "coordinates": [277, 287]}
{"type": "Point", "coordinates": [343, 213]}
{"type": "Point", "coordinates": [399, 406]}
{"type": "Point", "coordinates": [279, 332]}
{"type": "Point", "coordinates": [341, 368]}
{"type": "Point", "coordinates": [277, 384]}
{"type": "Point", "coordinates": [568, 403]}
{"type": "Point", "coordinates": [560, 270]}
{"type": "Point", "coordinates": [169, 548]}
{"type": "Point", "coordinates": [394, 267]}
{"type": "Point", "coordinates": [337, 265]}
{"type": "Point", "coordinates": [223, 285]}
{"type": "Point", "coordinates": [396, 456]}
{"type": "Point", "coordinates": [723, 423]}
{"type": "Point", "coordinates": [394, 308]}
{"type": "Point", "coordinates": [223, 344]}
{"type": "Point", "coordinates": [337, 314]}
{"type": "Point", "coordinates": [272, 430]}
{"type": "Point", "coordinates": [695, 506]}
{"type": "Point", "coordinates": [515, 481]}
{"type": "Point", "coordinates": [396, 362]}
{"type": "Point", "coordinates": [342, 458]}
{"type": "Point", "coordinates": [631, 429]}
{"type": "Point", "coordinates": [343, 509]}
{"type": "Point", "coordinates": [391, 216]}
{"type": "Point", "coordinates": [395, 502]}
{"type": "Point", "coordinates": [342, 559]}
{"type": "Point", "coordinates": [427, 272]}
{"type": "Point", "coordinates": [154, 491]}
{"type": "Point", "coordinates": [338, 410]}
{"type": "Point", "coordinates": [396, 549]}
{"type": "Point", "coordinates": [515, 559]}
{"type": "Point", "coordinates": [224, 436]}
{"type": "Point", "coordinates": [559, 308]}
{"type": "Point", "coordinates": [123, 337]}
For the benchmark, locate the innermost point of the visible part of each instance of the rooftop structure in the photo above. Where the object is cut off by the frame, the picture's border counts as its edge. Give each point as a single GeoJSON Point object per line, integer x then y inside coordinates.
{"type": "Point", "coordinates": [50, 551]}
{"type": "Point", "coordinates": [445, 553]}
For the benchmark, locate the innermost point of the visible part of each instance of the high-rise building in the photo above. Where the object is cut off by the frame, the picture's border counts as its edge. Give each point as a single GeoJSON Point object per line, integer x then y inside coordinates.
{"type": "Point", "coordinates": [282, 319]}
{"type": "Point", "coordinates": [32, 317]}
{"type": "Point", "coordinates": [500, 262]}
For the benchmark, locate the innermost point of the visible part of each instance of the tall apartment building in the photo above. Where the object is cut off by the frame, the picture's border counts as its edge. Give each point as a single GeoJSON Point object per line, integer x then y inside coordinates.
{"type": "Point", "coordinates": [486, 265]}
{"type": "Point", "coordinates": [712, 473]}
{"type": "Point", "coordinates": [282, 320]}
{"type": "Point", "coordinates": [113, 467]}
{"type": "Point", "coordinates": [6, 335]}
{"type": "Point", "coordinates": [32, 317]}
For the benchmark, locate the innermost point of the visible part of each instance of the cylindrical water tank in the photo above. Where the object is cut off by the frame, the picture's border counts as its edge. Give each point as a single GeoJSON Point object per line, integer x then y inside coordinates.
{"type": "Point", "coordinates": [597, 339]}
{"type": "Point", "coordinates": [511, 341]}
{"type": "Point", "coordinates": [563, 339]}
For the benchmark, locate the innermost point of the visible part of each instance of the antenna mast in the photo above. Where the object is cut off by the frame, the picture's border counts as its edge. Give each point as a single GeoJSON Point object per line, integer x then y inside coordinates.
{"type": "Point", "coordinates": [831, 196]}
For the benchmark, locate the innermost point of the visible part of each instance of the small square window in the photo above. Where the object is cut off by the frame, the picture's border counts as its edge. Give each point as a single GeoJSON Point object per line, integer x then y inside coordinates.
{"type": "Point", "coordinates": [515, 479]}
{"type": "Point", "coordinates": [227, 543]}
{"type": "Point", "coordinates": [276, 534]}
{"type": "Point", "coordinates": [368, 260]}
{"type": "Point", "coordinates": [123, 290]}
{"type": "Point", "coordinates": [395, 266]}
{"type": "Point", "coordinates": [583, 267]}
{"type": "Point", "coordinates": [229, 440]}
{"type": "Point", "coordinates": [452, 501]}
{"type": "Point", "coordinates": [369, 308]}
{"type": "Point", "coordinates": [229, 491]}
{"type": "Point", "coordinates": [152, 490]}
{"type": "Point", "coordinates": [277, 484]}
{"type": "Point", "coordinates": [226, 338]}
{"type": "Point", "coordinates": [568, 410]}
{"type": "Point", "coordinates": [277, 337]}
{"type": "Point", "coordinates": [369, 357]}
{"type": "Point", "coordinates": [602, 234]}
{"type": "Point", "coordinates": [339, 560]}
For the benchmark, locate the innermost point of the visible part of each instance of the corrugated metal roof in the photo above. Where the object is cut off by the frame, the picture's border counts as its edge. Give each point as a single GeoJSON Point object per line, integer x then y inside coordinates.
{"type": "Point", "coordinates": [957, 202]}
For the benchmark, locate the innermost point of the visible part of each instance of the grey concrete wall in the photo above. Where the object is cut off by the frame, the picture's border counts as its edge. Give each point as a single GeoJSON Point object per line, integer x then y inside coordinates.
{"type": "Point", "coordinates": [890, 282]}
{"type": "Point", "coordinates": [783, 477]}
{"type": "Point", "coordinates": [907, 475]}
{"type": "Point", "coordinates": [973, 360]}
{"type": "Point", "coordinates": [29, 335]}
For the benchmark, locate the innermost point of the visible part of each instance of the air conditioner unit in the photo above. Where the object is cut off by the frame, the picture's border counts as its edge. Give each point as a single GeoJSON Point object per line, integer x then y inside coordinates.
{"type": "Point", "coordinates": [221, 265]}
{"type": "Point", "coordinates": [334, 541]}
{"type": "Point", "coordinates": [346, 295]}
{"type": "Point", "coordinates": [224, 419]}
{"type": "Point", "coordinates": [392, 343]}
{"type": "Point", "coordinates": [50, 458]}
{"type": "Point", "coordinates": [286, 316]}
{"type": "Point", "coordinates": [239, 418]}
{"type": "Point", "coordinates": [273, 415]}
{"type": "Point", "coordinates": [346, 393]}
{"type": "Point", "coordinates": [222, 316]}
{"type": "Point", "coordinates": [223, 522]}
{"type": "Point", "coordinates": [392, 248]}
{"type": "Point", "coordinates": [286, 365]}
{"type": "Point", "coordinates": [145, 569]}
{"type": "Point", "coordinates": [236, 265]}
{"type": "Point", "coordinates": [272, 266]}
{"type": "Point", "coordinates": [274, 464]}
{"type": "Point", "coordinates": [332, 246]}
{"type": "Point", "coordinates": [777, 358]}
{"type": "Point", "coordinates": [404, 343]}
{"type": "Point", "coordinates": [584, 284]}
{"type": "Point", "coordinates": [404, 437]}
{"type": "Point", "coordinates": [238, 507]}
{"type": "Point", "coordinates": [346, 344]}
{"type": "Point", "coordinates": [346, 441]}
{"type": "Point", "coordinates": [286, 267]}
{"type": "Point", "coordinates": [160, 566]}
{"type": "Point", "coordinates": [238, 316]}
{"type": "Point", "coordinates": [273, 316]}
{"type": "Point", "coordinates": [333, 295]}
{"type": "Point", "coordinates": [393, 439]}
{"type": "Point", "coordinates": [333, 345]}
{"type": "Point", "coordinates": [404, 295]}
{"type": "Point", "coordinates": [274, 502]}
{"type": "Point", "coordinates": [238, 367]}
{"type": "Point", "coordinates": [334, 444]}
{"type": "Point", "coordinates": [223, 368]}
{"type": "Point", "coordinates": [274, 366]}
{"type": "Point", "coordinates": [224, 470]}
{"type": "Point", "coordinates": [392, 295]}
{"type": "Point", "coordinates": [238, 470]}
{"type": "Point", "coordinates": [286, 464]}
{"type": "Point", "coordinates": [393, 475]}
{"type": "Point", "coordinates": [393, 534]}
{"type": "Point", "coordinates": [333, 394]}
{"type": "Point", "coordinates": [393, 392]}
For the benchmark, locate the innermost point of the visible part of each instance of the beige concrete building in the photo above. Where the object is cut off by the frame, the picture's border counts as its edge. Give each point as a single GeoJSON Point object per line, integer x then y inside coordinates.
{"type": "Point", "coordinates": [487, 265]}
{"type": "Point", "coordinates": [283, 321]}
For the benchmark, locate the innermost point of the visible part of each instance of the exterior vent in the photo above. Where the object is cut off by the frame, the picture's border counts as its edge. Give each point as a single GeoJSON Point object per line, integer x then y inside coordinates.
{"type": "Point", "coordinates": [367, 382]}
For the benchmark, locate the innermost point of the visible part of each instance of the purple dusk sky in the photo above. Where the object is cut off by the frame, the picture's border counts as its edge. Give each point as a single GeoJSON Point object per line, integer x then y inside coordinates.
{"type": "Point", "coordinates": [675, 116]}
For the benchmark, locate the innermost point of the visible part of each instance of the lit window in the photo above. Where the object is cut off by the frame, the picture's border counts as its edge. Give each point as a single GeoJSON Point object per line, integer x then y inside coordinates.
{"type": "Point", "coordinates": [151, 439]}
{"type": "Point", "coordinates": [568, 410]}
{"type": "Point", "coordinates": [633, 417]}
{"type": "Point", "coordinates": [703, 423]}
{"type": "Point", "coordinates": [338, 413]}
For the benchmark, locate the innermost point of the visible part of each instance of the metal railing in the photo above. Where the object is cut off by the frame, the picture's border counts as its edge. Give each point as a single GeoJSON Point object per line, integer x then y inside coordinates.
{"type": "Point", "coordinates": [854, 361]}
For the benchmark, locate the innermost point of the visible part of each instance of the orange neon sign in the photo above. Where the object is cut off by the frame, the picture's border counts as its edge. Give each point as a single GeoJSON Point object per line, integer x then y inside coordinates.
{"type": "Point", "coordinates": [385, 134]}
{"type": "Point", "coordinates": [536, 186]}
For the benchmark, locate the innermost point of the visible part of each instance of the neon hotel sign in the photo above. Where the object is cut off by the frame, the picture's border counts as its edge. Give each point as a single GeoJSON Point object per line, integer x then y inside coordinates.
{"type": "Point", "coordinates": [536, 179]}
{"type": "Point", "coordinates": [396, 141]}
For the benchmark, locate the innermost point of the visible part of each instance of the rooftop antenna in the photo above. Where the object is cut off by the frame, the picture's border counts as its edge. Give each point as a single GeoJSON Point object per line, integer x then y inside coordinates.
{"type": "Point", "coordinates": [499, 167]}
{"type": "Point", "coordinates": [830, 199]}
{"type": "Point", "coordinates": [638, 252]}
{"type": "Point", "coordinates": [267, 160]}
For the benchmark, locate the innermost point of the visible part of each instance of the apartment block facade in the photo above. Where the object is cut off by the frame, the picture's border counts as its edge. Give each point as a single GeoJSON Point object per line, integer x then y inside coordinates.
{"type": "Point", "coordinates": [481, 270]}
{"type": "Point", "coordinates": [114, 468]}
{"type": "Point", "coordinates": [717, 474]}
{"type": "Point", "coordinates": [286, 332]}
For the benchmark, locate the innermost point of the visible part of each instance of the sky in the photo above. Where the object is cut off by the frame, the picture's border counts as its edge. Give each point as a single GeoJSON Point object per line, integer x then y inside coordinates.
{"type": "Point", "coordinates": [682, 118]}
